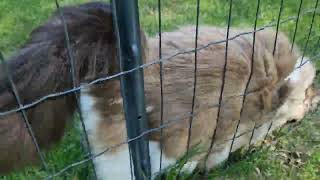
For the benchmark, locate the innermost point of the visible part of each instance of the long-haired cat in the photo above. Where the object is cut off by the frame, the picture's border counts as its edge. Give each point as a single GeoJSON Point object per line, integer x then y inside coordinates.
{"type": "Point", "coordinates": [42, 67]}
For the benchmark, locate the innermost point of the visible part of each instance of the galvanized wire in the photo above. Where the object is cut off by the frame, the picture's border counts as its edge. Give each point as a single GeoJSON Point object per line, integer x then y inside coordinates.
{"type": "Point", "coordinates": [274, 51]}
{"type": "Point", "coordinates": [296, 25]}
{"type": "Point", "coordinates": [277, 29]}
{"type": "Point", "coordinates": [222, 86]}
{"type": "Point", "coordinates": [249, 79]}
{"type": "Point", "coordinates": [194, 78]}
{"type": "Point", "coordinates": [15, 92]}
{"type": "Point", "coordinates": [75, 81]}
{"type": "Point", "coordinates": [194, 88]}
{"type": "Point", "coordinates": [309, 34]}
{"type": "Point", "coordinates": [161, 84]}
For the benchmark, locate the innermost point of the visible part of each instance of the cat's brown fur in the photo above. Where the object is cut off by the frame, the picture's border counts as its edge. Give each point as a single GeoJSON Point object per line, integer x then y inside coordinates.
{"type": "Point", "coordinates": [267, 92]}
{"type": "Point", "coordinates": [268, 75]}
{"type": "Point", "coordinates": [42, 67]}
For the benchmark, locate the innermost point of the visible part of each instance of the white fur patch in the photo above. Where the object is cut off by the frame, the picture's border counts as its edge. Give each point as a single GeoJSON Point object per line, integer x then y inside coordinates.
{"type": "Point", "coordinates": [115, 165]}
{"type": "Point", "coordinates": [155, 152]}
{"type": "Point", "coordinates": [218, 157]}
{"type": "Point", "coordinates": [90, 115]}
{"type": "Point", "coordinates": [108, 166]}
{"type": "Point", "coordinates": [303, 73]}
{"type": "Point", "coordinates": [149, 109]}
{"type": "Point", "coordinates": [189, 166]}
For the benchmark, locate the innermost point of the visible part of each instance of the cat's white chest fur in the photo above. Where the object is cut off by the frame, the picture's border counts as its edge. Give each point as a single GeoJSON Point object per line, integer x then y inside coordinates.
{"type": "Point", "coordinates": [116, 164]}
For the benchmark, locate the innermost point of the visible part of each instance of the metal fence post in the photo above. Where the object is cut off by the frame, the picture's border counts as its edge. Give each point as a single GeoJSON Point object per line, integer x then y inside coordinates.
{"type": "Point", "coordinates": [126, 20]}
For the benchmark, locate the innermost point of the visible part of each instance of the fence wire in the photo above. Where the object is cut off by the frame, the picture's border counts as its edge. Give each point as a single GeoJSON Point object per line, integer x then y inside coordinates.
{"type": "Point", "coordinates": [249, 79]}
{"type": "Point", "coordinates": [194, 78]}
{"type": "Point", "coordinates": [296, 25]}
{"type": "Point", "coordinates": [77, 87]}
{"type": "Point", "coordinates": [75, 82]}
{"type": "Point", "coordinates": [310, 30]}
{"type": "Point", "coordinates": [7, 71]}
{"type": "Point", "coordinates": [222, 86]}
{"type": "Point", "coordinates": [161, 83]}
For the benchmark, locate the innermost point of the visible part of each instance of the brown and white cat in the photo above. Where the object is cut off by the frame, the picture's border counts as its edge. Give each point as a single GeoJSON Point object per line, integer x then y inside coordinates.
{"type": "Point", "coordinates": [277, 93]}
{"type": "Point", "coordinates": [41, 67]}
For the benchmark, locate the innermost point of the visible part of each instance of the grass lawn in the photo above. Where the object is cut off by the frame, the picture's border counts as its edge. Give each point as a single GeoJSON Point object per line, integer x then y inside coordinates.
{"type": "Point", "coordinates": [294, 152]}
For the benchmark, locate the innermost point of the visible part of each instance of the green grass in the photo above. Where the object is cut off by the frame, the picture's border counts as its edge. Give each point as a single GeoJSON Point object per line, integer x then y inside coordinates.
{"type": "Point", "coordinates": [294, 153]}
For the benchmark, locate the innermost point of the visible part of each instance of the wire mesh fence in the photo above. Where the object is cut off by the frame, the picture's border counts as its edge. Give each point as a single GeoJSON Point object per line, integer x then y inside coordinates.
{"type": "Point", "coordinates": [77, 87]}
